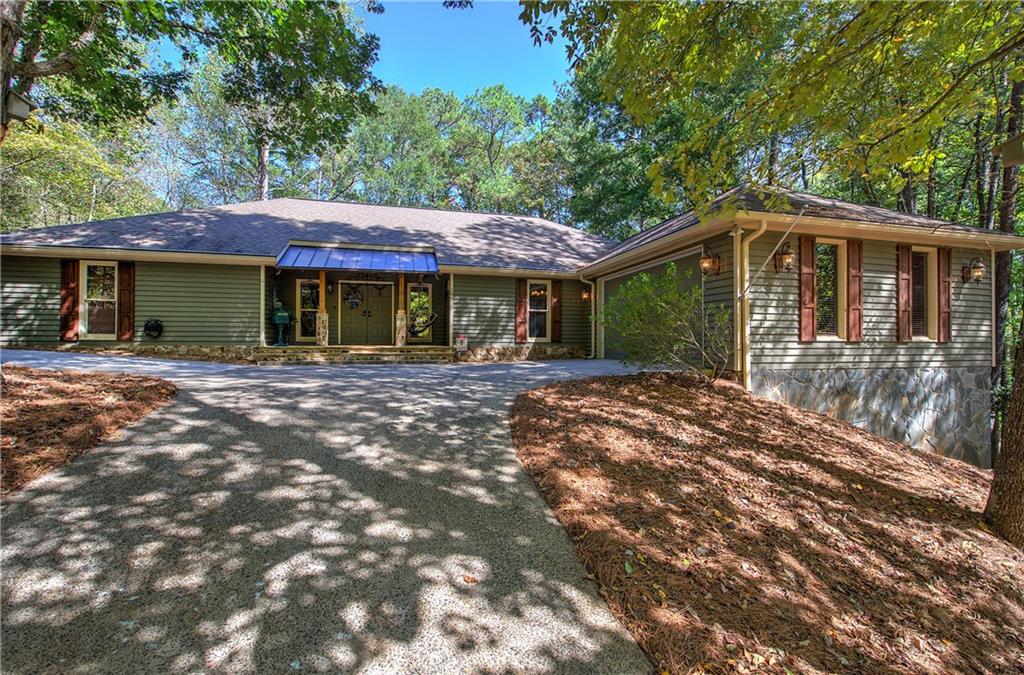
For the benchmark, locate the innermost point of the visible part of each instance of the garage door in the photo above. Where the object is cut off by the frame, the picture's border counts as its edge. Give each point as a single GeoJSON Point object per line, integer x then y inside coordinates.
{"type": "Point", "coordinates": [612, 284]}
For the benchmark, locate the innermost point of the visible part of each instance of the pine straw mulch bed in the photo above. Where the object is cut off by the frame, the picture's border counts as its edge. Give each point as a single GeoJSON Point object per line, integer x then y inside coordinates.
{"type": "Point", "coordinates": [731, 533]}
{"type": "Point", "coordinates": [49, 417]}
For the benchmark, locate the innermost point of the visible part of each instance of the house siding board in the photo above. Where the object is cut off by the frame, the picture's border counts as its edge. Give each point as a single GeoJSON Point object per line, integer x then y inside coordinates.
{"type": "Point", "coordinates": [485, 311]}
{"type": "Point", "coordinates": [198, 304]}
{"type": "Point", "coordinates": [774, 322]}
{"type": "Point", "coordinates": [30, 300]}
{"type": "Point", "coordinates": [687, 268]}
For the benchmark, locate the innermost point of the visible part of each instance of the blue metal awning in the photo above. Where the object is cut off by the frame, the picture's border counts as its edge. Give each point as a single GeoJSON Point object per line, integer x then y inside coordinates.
{"type": "Point", "coordinates": [305, 256]}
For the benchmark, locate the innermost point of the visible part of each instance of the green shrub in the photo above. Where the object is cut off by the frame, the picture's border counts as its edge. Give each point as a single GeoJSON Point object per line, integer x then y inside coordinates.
{"type": "Point", "coordinates": [660, 321]}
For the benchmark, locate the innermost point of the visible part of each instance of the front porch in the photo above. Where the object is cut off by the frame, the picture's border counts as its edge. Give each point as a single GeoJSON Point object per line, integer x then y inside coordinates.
{"type": "Point", "coordinates": [357, 306]}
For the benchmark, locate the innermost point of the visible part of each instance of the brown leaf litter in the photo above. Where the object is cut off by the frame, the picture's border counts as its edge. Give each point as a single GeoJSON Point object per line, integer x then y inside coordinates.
{"type": "Point", "coordinates": [731, 533]}
{"type": "Point", "coordinates": [49, 417]}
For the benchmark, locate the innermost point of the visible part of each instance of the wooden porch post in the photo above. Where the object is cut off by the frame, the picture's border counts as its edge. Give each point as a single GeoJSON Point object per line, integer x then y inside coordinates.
{"type": "Point", "coordinates": [321, 311]}
{"type": "Point", "coordinates": [400, 319]}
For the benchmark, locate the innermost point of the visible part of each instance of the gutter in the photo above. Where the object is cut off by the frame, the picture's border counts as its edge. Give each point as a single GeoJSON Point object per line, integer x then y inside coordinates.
{"type": "Point", "coordinates": [743, 300]}
{"type": "Point", "coordinates": [593, 317]}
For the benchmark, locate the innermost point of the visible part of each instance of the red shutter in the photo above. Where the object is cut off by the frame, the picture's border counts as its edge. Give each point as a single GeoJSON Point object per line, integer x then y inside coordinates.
{"type": "Point", "coordinates": [945, 288]}
{"type": "Point", "coordinates": [521, 310]}
{"type": "Point", "coordinates": [808, 290]}
{"type": "Point", "coordinates": [903, 313]}
{"type": "Point", "coordinates": [556, 311]}
{"type": "Point", "coordinates": [69, 300]}
{"type": "Point", "coordinates": [125, 300]}
{"type": "Point", "coordinates": [854, 290]}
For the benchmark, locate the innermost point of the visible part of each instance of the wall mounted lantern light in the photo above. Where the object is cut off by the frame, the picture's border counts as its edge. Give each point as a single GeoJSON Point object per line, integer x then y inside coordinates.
{"type": "Point", "coordinates": [330, 288]}
{"type": "Point", "coordinates": [710, 263]}
{"type": "Point", "coordinates": [975, 271]}
{"type": "Point", "coordinates": [585, 295]}
{"type": "Point", "coordinates": [785, 259]}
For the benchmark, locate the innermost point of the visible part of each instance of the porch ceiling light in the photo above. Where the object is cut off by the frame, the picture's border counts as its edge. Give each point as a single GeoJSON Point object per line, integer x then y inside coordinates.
{"type": "Point", "coordinates": [710, 263]}
{"type": "Point", "coordinates": [785, 259]}
{"type": "Point", "coordinates": [975, 271]}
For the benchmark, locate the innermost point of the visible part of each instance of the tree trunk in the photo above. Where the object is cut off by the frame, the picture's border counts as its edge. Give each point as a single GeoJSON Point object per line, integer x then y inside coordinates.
{"type": "Point", "coordinates": [262, 172]}
{"type": "Point", "coordinates": [12, 15]}
{"type": "Point", "coordinates": [1001, 274]}
{"type": "Point", "coordinates": [907, 200]}
{"type": "Point", "coordinates": [1005, 508]}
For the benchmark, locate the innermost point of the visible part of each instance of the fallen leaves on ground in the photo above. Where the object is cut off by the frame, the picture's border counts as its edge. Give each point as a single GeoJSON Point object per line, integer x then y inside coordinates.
{"type": "Point", "coordinates": [731, 533]}
{"type": "Point", "coordinates": [49, 417]}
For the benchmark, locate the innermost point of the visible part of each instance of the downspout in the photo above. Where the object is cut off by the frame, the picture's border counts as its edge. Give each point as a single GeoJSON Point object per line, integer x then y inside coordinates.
{"type": "Point", "coordinates": [743, 297]}
{"type": "Point", "coordinates": [593, 318]}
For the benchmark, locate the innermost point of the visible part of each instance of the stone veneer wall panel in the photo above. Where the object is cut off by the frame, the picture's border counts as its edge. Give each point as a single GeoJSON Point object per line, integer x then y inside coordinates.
{"type": "Point", "coordinates": [939, 409]}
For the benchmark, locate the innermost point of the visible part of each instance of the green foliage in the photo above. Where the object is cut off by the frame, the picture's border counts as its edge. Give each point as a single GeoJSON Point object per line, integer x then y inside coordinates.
{"type": "Point", "coordinates": [69, 174]}
{"type": "Point", "coordinates": [300, 70]}
{"type": "Point", "coordinates": [856, 89]}
{"type": "Point", "coordinates": [661, 321]}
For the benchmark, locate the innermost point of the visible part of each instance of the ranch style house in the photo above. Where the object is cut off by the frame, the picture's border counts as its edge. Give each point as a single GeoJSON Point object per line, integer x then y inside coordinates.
{"type": "Point", "coordinates": [874, 316]}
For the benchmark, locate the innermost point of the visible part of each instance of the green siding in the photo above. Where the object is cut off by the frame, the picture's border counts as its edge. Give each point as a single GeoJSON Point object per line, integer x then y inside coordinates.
{"type": "Point", "coordinates": [485, 311]}
{"type": "Point", "coordinates": [774, 321]}
{"type": "Point", "coordinates": [30, 299]}
{"type": "Point", "coordinates": [687, 268]}
{"type": "Point", "coordinates": [198, 303]}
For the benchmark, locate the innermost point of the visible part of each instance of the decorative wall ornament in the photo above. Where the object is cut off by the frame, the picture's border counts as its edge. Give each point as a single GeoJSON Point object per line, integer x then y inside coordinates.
{"type": "Point", "coordinates": [353, 298]}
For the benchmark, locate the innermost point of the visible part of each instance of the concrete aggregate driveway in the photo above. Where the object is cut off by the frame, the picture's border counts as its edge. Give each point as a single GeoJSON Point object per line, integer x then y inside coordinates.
{"type": "Point", "coordinates": [337, 519]}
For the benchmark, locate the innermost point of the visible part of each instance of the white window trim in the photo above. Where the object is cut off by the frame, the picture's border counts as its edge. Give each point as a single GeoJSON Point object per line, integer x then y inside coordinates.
{"type": "Point", "coordinates": [298, 309]}
{"type": "Point", "coordinates": [842, 277]}
{"type": "Point", "coordinates": [83, 313]}
{"type": "Point", "coordinates": [547, 310]}
{"type": "Point", "coordinates": [933, 295]}
{"type": "Point", "coordinates": [429, 335]}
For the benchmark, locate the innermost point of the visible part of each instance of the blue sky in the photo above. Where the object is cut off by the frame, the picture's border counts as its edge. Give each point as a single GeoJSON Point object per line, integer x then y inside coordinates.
{"type": "Point", "coordinates": [424, 45]}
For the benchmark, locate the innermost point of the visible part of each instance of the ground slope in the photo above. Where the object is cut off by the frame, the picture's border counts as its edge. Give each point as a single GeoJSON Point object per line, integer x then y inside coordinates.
{"type": "Point", "coordinates": [48, 417]}
{"type": "Point", "coordinates": [733, 533]}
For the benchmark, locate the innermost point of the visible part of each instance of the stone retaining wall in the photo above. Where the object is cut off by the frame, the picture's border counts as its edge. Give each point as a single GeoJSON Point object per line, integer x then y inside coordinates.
{"type": "Point", "coordinates": [940, 409]}
{"type": "Point", "coordinates": [522, 352]}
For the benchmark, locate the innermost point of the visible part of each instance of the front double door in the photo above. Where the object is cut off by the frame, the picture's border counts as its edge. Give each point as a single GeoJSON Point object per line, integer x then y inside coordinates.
{"type": "Point", "coordinates": [367, 313]}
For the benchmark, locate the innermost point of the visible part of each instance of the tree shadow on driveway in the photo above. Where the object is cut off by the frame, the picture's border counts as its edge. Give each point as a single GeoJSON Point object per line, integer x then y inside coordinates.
{"type": "Point", "coordinates": [324, 519]}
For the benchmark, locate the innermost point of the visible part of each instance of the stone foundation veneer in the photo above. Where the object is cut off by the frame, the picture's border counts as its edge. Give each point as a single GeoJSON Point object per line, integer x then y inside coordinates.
{"type": "Point", "coordinates": [940, 409]}
{"type": "Point", "coordinates": [522, 352]}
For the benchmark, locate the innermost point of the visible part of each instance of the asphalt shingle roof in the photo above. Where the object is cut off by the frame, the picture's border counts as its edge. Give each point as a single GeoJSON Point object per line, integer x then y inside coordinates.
{"type": "Point", "coordinates": [264, 228]}
{"type": "Point", "coordinates": [746, 198]}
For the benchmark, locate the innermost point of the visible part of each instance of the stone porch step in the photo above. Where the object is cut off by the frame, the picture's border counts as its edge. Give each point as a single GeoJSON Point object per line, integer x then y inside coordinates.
{"type": "Point", "coordinates": [271, 356]}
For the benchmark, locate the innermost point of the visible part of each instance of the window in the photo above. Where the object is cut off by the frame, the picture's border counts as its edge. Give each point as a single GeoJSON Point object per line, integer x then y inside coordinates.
{"type": "Point", "coordinates": [827, 286]}
{"type": "Point", "coordinates": [923, 293]}
{"type": "Point", "coordinates": [539, 308]}
{"type": "Point", "coordinates": [420, 310]}
{"type": "Point", "coordinates": [307, 302]}
{"type": "Point", "coordinates": [99, 300]}
{"type": "Point", "coordinates": [830, 288]}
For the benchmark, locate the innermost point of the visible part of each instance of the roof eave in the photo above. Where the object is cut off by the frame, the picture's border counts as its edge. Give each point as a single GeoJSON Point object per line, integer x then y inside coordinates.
{"type": "Point", "coordinates": [988, 239]}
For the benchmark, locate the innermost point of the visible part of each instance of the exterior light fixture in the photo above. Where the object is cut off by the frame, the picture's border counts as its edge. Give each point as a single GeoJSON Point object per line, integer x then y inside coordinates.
{"type": "Point", "coordinates": [974, 272]}
{"type": "Point", "coordinates": [785, 259]}
{"type": "Point", "coordinates": [710, 263]}
{"type": "Point", "coordinates": [330, 288]}
{"type": "Point", "coordinates": [585, 295]}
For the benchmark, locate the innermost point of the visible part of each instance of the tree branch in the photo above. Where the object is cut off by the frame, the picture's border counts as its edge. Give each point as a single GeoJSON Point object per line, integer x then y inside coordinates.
{"type": "Point", "coordinates": [65, 62]}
